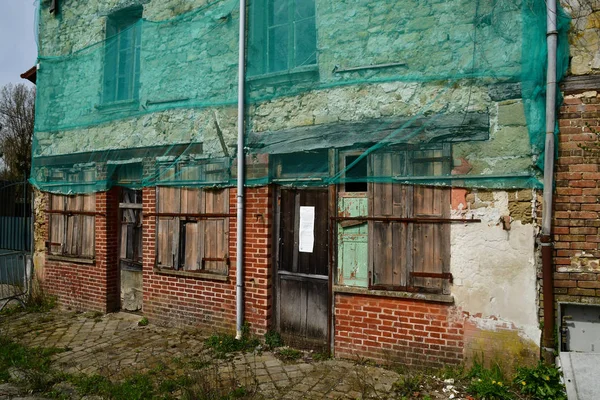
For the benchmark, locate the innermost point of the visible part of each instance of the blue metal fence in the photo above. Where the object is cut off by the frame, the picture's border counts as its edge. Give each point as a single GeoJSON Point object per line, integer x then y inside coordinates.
{"type": "Point", "coordinates": [15, 240]}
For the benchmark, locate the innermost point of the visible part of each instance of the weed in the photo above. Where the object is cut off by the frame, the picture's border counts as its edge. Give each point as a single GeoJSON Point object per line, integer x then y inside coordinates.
{"type": "Point", "coordinates": [24, 358]}
{"type": "Point", "coordinates": [487, 383]}
{"type": "Point", "coordinates": [39, 301]}
{"type": "Point", "coordinates": [542, 382]}
{"type": "Point", "coordinates": [321, 356]}
{"type": "Point", "coordinates": [457, 372]}
{"type": "Point", "coordinates": [273, 339]}
{"type": "Point", "coordinates": [288, 354]}
{"type": "Point", "coordinates": [408, 384]}
{"type": "Point", "coordinates": [93, 315]}
{"type": "Point", "coordinates": [489, 389]}
{"type": "Point", "coordinates": [143, 322]}
{"type": "Point", "coordinates": [224, 344]}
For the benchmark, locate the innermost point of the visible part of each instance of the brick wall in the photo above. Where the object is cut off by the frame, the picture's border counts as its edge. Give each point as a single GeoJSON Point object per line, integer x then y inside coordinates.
{"type": "Point", "coordinates": [90, 287]}
{"type": "Point", "coordinates": [211, 303]}
{"type": "Point", "coordinates": [398, 330]}
{"type": "Point", "coordinates": [576, 224]}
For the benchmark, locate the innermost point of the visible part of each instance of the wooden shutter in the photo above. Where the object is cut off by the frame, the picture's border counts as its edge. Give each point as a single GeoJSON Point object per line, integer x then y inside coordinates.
{"type": "Point", "coordinates": [431, 241]}
{"type": "Point", "coordinates": [191, 241]}
{"type": "Point", "coordinates": [167, 245]}
{"type": "Point", "coordinates": [389, 245]}
{"type": "Point", "coordinates": [57, 224]}
{"type": "Point", "coordinates": [72, 234]}
{"type": "Point", "coordinates": [216, 231]}
{"type": "Point", "coordinates": [397, 249]}
{"type": "Point", "coordinates": [88, 224]}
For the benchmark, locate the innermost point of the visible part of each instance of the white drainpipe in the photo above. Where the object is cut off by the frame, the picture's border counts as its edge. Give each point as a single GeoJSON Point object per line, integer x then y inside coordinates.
{"type": "Point", "coordinates": [239, 276]}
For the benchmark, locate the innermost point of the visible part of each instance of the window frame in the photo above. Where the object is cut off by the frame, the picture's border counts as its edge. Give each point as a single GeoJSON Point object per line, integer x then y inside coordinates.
{"type": "Point", "coordinates": [130, 213]}
{"type": "Point", "coordinates": [119, 26]}
{"type": "Point", "coordinates": [409, 157]}
{"type": "Point", "coordinates": [260, 46]}
{"type": "Point", "coordinates": [66, 213]}
{"type": "Point", "coordinates": [410, 169]}
{"type": "Point", "coordinates": [176, 223]}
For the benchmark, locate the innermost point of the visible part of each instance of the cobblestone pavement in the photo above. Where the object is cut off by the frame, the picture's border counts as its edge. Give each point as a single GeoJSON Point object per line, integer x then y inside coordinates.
{"type": "Point", "coordinates": [115, 346]}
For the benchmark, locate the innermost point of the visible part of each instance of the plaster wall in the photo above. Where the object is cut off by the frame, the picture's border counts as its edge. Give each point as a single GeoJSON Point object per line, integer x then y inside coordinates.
{"type": "Point", "coordinates": [495, 273]}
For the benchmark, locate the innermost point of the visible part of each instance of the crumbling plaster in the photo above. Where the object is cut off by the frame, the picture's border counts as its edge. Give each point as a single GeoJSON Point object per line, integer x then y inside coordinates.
{"type": "Point", "coordinates": [495, 270]}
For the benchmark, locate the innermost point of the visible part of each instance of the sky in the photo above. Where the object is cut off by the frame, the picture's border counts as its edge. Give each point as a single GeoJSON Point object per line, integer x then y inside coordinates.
{"type": "Point", "coordinates": [18, 49]}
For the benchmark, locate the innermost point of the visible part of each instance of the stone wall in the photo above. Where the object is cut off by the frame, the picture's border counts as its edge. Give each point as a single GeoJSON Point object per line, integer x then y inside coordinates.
{"type": "Point", "coordinates": [188, 76]}
{"type": "Point", "coordinates": [584, 36]}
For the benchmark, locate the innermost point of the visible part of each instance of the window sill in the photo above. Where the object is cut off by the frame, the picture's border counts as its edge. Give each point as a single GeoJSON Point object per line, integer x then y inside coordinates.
{"type": "Point", "coordinates": [74, 260]}
{"type": "Point", "coordinates": [309, 73]}
{"type": "Point", "coordinates": [436, 298]}
{"type": "Point", "coordinates": [190, 274]}
{"type": "Point", "coordinates": [116, 106]}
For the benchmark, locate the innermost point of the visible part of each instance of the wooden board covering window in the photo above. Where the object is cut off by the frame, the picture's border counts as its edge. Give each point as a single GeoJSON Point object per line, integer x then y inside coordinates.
{"type": "Point", "coordinates": [193, 243]}
{"type": "Point", "coordinates": [399, 248]}
{"type": "Point", "coordinates": [72, 235]}
{"type": "Point", "coordinates": [131, 227]}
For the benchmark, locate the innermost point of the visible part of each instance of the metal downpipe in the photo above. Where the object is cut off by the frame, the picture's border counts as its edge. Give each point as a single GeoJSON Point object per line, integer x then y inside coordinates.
{"type": "Point", "coordinates": [546, 237]}
{"type": "Point", "coordinates": [239, 273]}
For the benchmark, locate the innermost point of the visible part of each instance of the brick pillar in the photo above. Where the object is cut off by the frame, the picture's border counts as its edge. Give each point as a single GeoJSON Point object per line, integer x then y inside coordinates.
{"type": "Point", "coordinates": [258, 255]}
{"type": "Point", "coordinates": [107, 241]}
{"type": "Point", "coordinates": [576, 223]}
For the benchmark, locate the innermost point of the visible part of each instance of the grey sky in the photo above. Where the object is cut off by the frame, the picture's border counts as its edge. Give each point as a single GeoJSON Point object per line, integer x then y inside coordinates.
{"type": "Point", "coordinates": [18, 50]}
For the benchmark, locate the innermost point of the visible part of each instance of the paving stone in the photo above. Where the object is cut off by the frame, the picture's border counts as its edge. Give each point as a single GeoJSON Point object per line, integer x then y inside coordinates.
{"type": "Point", "coordinates": [116, 347]}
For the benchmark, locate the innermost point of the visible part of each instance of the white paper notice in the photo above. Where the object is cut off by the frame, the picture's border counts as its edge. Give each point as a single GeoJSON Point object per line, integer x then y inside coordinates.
{"type": "Point", "coordinates": [307, 229]}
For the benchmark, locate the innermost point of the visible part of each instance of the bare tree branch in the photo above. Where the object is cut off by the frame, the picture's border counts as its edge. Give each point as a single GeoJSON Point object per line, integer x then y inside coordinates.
{"type": "Point", "coordinates": [17, 110]}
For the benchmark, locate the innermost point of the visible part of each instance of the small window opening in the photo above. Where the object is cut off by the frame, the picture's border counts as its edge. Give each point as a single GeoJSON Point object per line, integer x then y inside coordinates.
{"type": "Point", "coordinates": [356, 175]}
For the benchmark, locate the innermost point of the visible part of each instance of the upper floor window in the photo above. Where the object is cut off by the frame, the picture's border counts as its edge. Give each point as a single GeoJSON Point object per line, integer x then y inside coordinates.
{"type": "Point", "coordinates": [122, 55]}
{"type": "Point", "coordinates": [282, 36]}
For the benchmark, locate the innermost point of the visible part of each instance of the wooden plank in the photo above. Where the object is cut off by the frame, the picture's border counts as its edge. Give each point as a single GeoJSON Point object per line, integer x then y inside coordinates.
{"type": "Point", "coordinates": [448, 127]}
{"type": "Point", "coordinates": [190, 262]}
{"type": "Point", "coordinates": [286, 243]}
{"type": "Point", "coordinates": [580, 83]}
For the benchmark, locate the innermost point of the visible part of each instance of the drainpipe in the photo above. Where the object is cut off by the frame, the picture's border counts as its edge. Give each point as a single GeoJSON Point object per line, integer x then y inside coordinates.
{"type": "Point", "coordinates": [239, 272]}
{"type": "Point", "coordinates": [546, 237]}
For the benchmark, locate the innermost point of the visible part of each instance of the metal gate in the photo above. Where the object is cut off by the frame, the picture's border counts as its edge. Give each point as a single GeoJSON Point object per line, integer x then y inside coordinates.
{"type": "Point", "coordinates": [15, 240]}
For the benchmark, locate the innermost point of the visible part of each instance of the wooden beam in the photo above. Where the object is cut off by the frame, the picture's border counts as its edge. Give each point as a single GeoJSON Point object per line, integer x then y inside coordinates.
{"type": "Point", "coordinates": [582, 83]}
{"type": "Point", "coordinates": [447, 128]}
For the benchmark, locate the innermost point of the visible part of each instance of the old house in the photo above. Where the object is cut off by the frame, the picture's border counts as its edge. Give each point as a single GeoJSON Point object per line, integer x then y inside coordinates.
{"type": "Point", "coordinates": [393, 164]}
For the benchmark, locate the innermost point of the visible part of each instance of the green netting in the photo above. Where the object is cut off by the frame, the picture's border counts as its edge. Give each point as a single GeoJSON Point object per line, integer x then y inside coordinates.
{"type": "Point", "coordinates": [338, 92]}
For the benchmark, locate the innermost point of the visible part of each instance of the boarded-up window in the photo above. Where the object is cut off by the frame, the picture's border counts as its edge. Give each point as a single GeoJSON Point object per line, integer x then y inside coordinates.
{"type": "Point", "coordinates": [193, 229]}
{"type": "Point", "coordinates": [131, 228]}
{"type": "Point", "coordinates": [72, 225]}
{"type": "Point", "coordinates": [403, 251]}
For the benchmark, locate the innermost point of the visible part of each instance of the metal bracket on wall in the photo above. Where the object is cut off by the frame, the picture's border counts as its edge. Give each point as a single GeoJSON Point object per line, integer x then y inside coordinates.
{"type": "Point", "coordinates": [54, 7]}
{"type": "Point", "coordinates": [339, 70]}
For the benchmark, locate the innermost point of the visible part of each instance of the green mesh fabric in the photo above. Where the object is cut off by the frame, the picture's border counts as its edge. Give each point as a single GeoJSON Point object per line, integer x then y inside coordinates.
{"type": "Point", "coordinates": [434, 92]}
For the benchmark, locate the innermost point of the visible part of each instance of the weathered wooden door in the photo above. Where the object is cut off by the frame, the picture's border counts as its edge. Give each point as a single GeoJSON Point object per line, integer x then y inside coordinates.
{"type": "Point", "coordinates": [302, 276]}
{"type": "Point", "coordinates": [130, 250]}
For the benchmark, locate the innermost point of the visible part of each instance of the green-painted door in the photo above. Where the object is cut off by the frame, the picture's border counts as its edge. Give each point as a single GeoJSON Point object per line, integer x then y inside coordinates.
{"type": "Point", "coordinates": [353, 241]}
